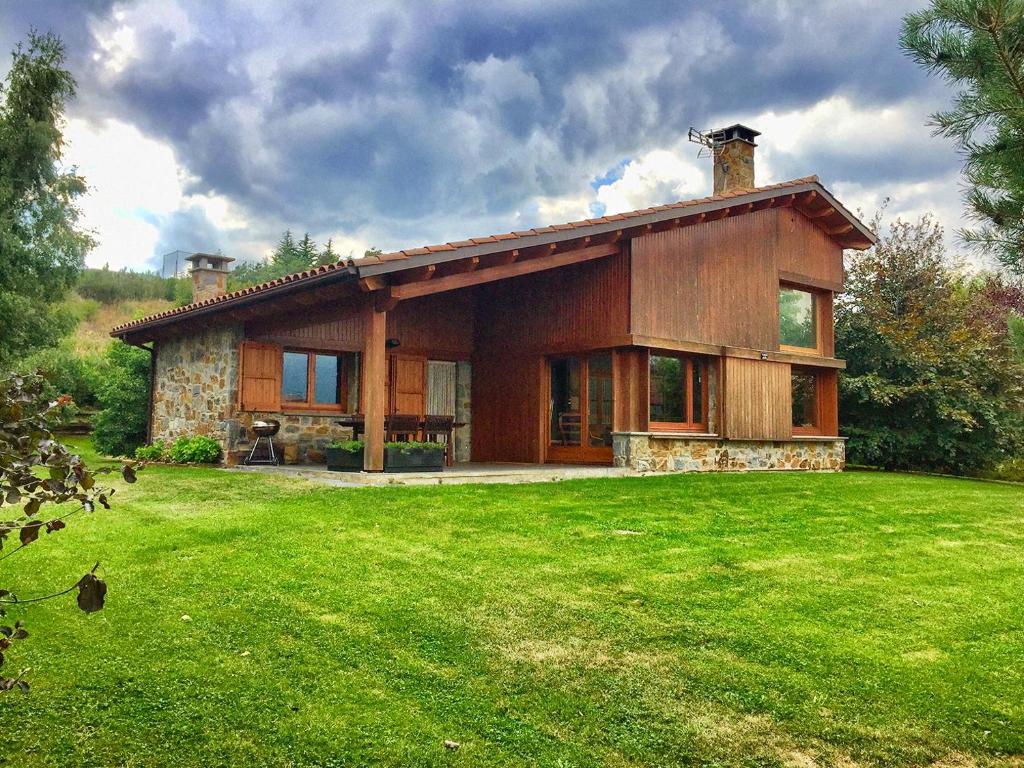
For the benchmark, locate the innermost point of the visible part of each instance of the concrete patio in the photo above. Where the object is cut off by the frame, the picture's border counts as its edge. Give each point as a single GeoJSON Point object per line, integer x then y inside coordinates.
{"type": "Point", "coordinates": [456, 475]}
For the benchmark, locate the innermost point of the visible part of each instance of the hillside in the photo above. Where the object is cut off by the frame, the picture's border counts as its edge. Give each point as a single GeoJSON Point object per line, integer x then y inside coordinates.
{"type": "Point", "coordinates": [95, 319]}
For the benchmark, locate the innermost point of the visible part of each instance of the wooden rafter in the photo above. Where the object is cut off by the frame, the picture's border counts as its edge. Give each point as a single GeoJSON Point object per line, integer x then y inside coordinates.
{"type": "Point", "coordinates": [416, 274]}
{"type": "Point", "coordinates": [373, 283]}
{"type": "Point", "coordinates": [842, 229]}
{"type": "Point", "coordinates": [458, 267]}
{"type": "Point", "coordinates": [504, 271]}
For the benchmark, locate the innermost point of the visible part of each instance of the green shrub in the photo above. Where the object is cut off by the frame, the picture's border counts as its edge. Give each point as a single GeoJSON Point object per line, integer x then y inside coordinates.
{"type": "Point", "coordinates": [350, 446]}
{"type": "Point", "coordinates": [67, 373]}
{"type": "Point", "coordinates": [198, 449]}
{"type": "Point", "coordinates": [110, 287]}
{"type": "Point", "coordinates": [1013, 469]}
{"type": "Point", "coordinates": [153, 452]}
{"type": "Point", "coordinates": [413, 445]}
{"type": "Point", "coordinates": [120, 426]}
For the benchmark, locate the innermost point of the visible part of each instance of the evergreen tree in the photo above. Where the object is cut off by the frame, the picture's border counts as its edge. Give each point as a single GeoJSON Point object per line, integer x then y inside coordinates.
{"type": "Point", "coordinates": [307, 252]}
{"type": "Point", "coordinates": [327, 255]}
{"type": "Point", "coordinates": [42, 247]}
{"type": "Point", "coordinates": [978, 47]}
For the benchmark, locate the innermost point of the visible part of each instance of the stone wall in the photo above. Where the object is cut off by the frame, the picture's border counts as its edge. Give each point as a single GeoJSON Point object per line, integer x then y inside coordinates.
{"type": "Point", "coordinates": [650, 452]}
{"type": "Point", "coordinates": [196, 393]}
{"type": "Point", "coordinates": [196, 383]}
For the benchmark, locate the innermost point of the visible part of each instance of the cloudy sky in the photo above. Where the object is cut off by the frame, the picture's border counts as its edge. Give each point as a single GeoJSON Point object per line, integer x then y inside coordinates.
{"type": "Point", "coordinates": [218, 124]}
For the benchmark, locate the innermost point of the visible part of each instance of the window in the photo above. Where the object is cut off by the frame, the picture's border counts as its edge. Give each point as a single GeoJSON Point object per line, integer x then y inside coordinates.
{"type": "Point", "coordinates": [798, 319]}
{"type": "Point", "coordinates": [806, 413]}
{"type": "Point", "coordinates": [678, 392]}
{"type": "Point", "coordinates": [315, 380]}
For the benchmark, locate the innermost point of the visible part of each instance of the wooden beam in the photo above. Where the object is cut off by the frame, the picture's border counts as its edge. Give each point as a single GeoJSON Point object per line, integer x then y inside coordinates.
{"type": "Point", "coordinates": [516, 269]}
{"type": "Point", "coordinates": [415, 275]}
{"type": "Point", "coordinates": [372, 388]}
{"type": "Point", "coordinates": [842, 229]}
{"type": "Point", "coordinates": [828, 210]}
{"type": "Point", "coordinates": [458, 267]}
{"type": "Point", "coordinates": [384, 301]}
{"type": "Point", "coordinates": [373, 283]}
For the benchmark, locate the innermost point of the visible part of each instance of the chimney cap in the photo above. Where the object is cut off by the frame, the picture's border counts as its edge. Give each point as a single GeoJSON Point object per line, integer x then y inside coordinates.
{"type": "Point", "coordinates": [216, 260]}
{"type": "Point", "coordinates": [738, 131]}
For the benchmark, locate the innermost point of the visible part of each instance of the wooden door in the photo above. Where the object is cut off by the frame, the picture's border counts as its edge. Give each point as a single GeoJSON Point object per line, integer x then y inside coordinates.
{"type": "Point", "coordinates": [407, 391]}
{"type": "Point", "coordinates": [580, 407]}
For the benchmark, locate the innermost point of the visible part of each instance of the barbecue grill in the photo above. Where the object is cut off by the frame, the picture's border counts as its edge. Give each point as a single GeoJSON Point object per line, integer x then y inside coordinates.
{"type": "Point", "coordinates": [264, 431]}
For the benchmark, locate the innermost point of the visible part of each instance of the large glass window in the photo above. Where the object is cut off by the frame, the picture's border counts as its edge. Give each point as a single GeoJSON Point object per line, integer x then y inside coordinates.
{"type": "Point", "coordinates": [318, 380]}
{"type": "Point", "coordinates": [678, 392]}
{"type": "Point", "coordinates": [798, 318]}
{"type": "Point", "coordinates": [805, 401]}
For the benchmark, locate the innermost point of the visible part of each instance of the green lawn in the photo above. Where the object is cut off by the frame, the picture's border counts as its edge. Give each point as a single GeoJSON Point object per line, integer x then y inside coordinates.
{"type": "Point", "coordinates": [758, 619]}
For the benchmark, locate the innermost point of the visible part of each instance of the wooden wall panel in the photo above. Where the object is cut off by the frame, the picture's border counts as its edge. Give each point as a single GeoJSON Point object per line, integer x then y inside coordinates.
{"type": "Point", "coordinates": [571, 308]}
{"type": "Point", "coordinates": [828, 401]}
{"type": "Point", "coordinates": [438, 326]}
{"type": "Point", "coordinates": [506, 402]}
{"type": "Point", "coordinates": [340, 327]}
{"type": "Point", "coordinates": [804, 249]}
{"type": "Point", "coordinates": [629, 387]}
{"type": "Point", "coordinates": [717, 283]}
{"type": "Point", "coordinates": [757, 402]}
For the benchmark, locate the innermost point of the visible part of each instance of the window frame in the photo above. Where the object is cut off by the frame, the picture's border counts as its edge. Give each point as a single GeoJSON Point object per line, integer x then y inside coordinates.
{"type": "Point", "coordinates": [682, 426]}
{"type": "Point", "coordinates": [817, 428]}
{"type": "Point", "coordinates": [818, 297]}
{"type": "Point", "coordinates": [310, 404]}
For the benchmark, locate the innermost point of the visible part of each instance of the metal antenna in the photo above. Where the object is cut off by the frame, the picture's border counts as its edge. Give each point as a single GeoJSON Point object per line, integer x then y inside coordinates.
{"type": "Point", "coordinates": [710, 142]}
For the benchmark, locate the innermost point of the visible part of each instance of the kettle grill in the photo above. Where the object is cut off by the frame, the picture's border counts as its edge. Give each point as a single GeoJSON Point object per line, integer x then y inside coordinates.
{"type": "Point", "coordinates": [264, 431]}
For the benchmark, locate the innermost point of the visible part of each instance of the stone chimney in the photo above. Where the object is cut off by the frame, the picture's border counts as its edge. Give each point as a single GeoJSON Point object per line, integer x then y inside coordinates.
{"type": "Point", "coordinates": [734, 158]}
{"type": "Point", "coordinates": [209, 275]}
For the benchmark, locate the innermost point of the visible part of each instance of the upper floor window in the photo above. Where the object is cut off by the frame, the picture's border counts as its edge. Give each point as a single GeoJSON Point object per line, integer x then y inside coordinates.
{"type": "Point", "coordinates": [678, 392]}
{"type": "Point", "coordinates": [315, 380]}
{"type": "Point", "coordinates": [798, 319]}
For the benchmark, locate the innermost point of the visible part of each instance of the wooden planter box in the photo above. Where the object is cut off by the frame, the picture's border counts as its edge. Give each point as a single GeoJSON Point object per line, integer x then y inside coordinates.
{"type": "Point", "coordinates": [413, 459]}
{"type": "Point", "coordinates": [339, 460]}
{"type": "Point", "coordinates": [395, 460]}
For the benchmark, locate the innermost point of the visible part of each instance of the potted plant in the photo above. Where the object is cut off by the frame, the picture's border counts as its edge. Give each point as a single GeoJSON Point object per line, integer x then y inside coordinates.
{"type": "Point", "coordinates": [413, 457]}
{"type": "Point", "coordinates": [345, 456]}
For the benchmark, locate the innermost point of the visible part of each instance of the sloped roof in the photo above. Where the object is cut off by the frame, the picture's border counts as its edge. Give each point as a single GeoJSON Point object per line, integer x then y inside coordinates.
{"type": "Point", "coordinates": [415, 257]}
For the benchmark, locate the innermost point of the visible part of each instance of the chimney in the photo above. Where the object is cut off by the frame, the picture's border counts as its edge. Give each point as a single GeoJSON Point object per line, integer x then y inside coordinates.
{"type": "Point", "coordinates": [209, 275]}
{"type": "Point", "coordinates": [733, 149]}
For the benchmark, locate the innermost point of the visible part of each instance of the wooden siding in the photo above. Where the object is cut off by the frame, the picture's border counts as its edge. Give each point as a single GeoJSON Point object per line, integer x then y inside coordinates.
{"type": "Point", "coordinates": [757, 403]}
{"type": "Point", "coordinates": [585, 306]}
{"type": "Point", "coordinates": [339, 328]}
{"type": "Point", "coordinates": [717, 283]}
{"type": "Point", "coordinates": [630, 390]}
{"type": "Point", "coordinates": [438, 326]}
{"type": "Point", "coordinates": [506, 400]}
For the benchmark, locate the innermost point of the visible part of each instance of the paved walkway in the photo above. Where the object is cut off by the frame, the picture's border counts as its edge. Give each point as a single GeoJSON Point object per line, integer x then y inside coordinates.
{"type": "Point", "coordinates": [460, 473]}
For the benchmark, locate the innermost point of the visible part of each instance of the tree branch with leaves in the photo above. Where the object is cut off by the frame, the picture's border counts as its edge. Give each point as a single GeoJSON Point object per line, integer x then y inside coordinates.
{"type": "Point", "coordinates": [42, 485]}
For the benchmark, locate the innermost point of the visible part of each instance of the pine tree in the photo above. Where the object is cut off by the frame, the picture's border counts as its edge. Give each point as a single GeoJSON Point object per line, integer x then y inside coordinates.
{"type": "Point", "coordinates": [327, 255]}
{"type": "Point", "coordinates": [307, 252]}
{"type": "Point", "coordinates": [978, 47]}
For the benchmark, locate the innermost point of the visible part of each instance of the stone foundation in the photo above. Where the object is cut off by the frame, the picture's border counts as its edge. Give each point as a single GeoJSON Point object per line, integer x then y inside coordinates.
{"type": "Point", "coordinates": [651, 452]}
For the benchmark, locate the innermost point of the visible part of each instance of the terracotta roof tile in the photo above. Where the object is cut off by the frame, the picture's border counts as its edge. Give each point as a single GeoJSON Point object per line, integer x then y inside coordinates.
{"type": "Point", "coordinates": [399, 255]}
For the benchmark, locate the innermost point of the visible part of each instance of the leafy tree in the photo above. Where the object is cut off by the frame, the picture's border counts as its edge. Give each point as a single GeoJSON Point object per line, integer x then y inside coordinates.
{"type": "Point", "coordinates": [978, 47]}
{"type": "Point", "coordinates": [42, 247]}
{"type": "Point", "coordinates": [931, 383]}
{"type": "Point", "coordinates": [37, 472]}
{"type": "Point", "coordinates": [120, 426]}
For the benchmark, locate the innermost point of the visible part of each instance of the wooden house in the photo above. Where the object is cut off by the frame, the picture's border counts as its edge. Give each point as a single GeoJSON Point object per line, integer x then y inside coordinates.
{"type": "Point", "coordinates": [690, 336]}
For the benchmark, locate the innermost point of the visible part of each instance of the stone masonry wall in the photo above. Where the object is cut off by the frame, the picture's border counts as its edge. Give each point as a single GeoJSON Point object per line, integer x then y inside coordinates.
{"type": "Point", "coordinates": [648, 452]}
{"type": "Point", "coordinates": [196, 393]}
{"type": "Point", "coordinates": [196, 383]}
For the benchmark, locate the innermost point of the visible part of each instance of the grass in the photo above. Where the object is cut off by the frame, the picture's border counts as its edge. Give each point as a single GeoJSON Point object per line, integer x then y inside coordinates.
{"type": "Point", "coordinates": [758, 619]}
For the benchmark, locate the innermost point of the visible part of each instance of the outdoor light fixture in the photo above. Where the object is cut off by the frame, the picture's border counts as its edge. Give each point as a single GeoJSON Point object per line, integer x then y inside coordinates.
{"type": "Point", "coordinates": [392, 343]}
{"type": "Point", "coordinates": [764, 355]}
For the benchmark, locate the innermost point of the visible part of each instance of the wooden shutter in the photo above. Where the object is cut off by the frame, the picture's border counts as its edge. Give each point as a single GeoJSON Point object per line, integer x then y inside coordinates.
{"type": "Point", "coordinates": [408, 384]}
{"type": "Point", "coordinates": [260, 388]}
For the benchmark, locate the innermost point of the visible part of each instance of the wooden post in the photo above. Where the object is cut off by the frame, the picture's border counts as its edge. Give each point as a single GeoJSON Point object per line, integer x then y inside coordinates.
{"type": "Point", "coordinates": [373, 387]}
